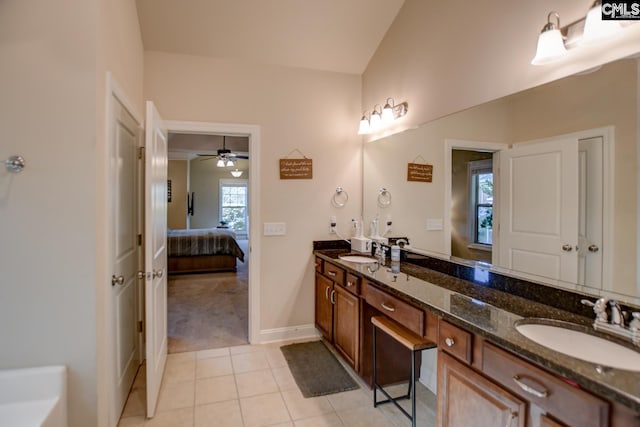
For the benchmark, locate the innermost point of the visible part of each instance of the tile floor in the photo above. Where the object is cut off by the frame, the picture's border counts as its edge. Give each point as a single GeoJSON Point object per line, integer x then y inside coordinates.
{"type": "Point", "coordinates": [251, 386]}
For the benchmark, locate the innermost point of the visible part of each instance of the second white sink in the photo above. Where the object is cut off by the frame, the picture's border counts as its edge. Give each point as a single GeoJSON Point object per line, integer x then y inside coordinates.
{"type": "Point", "coordinates": [581, 345]}
{"type": "Point", "coordinates": [358, 258]}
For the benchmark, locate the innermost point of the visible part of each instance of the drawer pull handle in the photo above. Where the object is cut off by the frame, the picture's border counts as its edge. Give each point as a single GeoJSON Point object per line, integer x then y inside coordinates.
{"type": "Point", "coordinates": [349, 284]}
{"type": "Point", "coordinates": [449, 342]}
{"type": "Point", "coordinates": [528, 389]}
{"type": "Point", "coordinates": [388, 308]}
{"type": "Point", "coordinates": [333, 297]}
{"type": "Point", "coordinates": [331, 273]}
{"type": "Point", "coordinates": [326, 293]}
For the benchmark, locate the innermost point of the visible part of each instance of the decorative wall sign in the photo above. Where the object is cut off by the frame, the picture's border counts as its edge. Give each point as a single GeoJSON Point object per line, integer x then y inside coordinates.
{"type": "Point", "coordinates": [169, 191]}
{"type": "Point", "coordinates": [419, 172]}
{"type": "Point", "coordinates": [296, 168]}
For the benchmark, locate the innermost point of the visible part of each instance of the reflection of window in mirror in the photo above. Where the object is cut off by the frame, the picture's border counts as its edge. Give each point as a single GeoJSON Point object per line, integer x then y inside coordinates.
{"type": "Point", "coordinates": [472, 205]}
{"type": "Point", "coordinates": [481, 203]}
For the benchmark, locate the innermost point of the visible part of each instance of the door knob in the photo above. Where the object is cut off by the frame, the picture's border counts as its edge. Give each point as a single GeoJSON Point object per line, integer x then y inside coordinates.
{"type": "Point", "coordinates": [567, 248]}
{"type": "Point", "coordinates": [157, 273]}
{"type": "Point", "coordinates": [593, 248]}
{"type": "Point", "coordinates": [119, 280]}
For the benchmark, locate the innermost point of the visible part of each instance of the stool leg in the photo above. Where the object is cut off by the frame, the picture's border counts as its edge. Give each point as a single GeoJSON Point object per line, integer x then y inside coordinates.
{"type": "Point", "coordinates": [413, 396]}
{"type": "Point", "coordinates": [375, 383]}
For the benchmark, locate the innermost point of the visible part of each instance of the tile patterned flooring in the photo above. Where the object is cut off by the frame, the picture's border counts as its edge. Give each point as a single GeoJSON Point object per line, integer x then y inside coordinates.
{"type": "Point", "coordinates": [251, 386]}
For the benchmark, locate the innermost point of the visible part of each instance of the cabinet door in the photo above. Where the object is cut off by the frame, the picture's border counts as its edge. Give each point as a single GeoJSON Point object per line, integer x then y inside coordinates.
{"type": "Point", "coordinates": [467, 399]}
{"type": "Point", "coordinates": [324, 308]}
{"type": "Point", "coordinates": [346, 325]}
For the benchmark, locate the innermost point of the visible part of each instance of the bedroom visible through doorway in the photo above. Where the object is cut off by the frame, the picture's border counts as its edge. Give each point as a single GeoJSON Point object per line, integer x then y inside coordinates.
{"type": "Point", "coordinates": [208, 246]}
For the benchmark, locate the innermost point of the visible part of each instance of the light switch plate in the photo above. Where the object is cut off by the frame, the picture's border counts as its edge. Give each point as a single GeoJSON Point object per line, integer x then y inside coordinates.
{"type": "Point", "coordinates": [275, 228]}
{"type": "Point", "coordinates": [434, 224]}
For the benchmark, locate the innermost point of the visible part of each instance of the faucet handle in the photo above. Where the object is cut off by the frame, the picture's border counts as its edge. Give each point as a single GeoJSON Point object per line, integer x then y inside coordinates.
{"type": "Point", "coordinates": [599, 308]}
{"type": "Point", "coordinates": [634, 325]}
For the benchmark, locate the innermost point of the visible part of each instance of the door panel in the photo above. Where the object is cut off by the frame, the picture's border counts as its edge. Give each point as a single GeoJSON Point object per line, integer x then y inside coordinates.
{"type": "Point", "coordinates": [155, 253]}
{"type": "Point", "coordinates": [123, 168]}
{"type": "Point", "coordinates": [539, 209]}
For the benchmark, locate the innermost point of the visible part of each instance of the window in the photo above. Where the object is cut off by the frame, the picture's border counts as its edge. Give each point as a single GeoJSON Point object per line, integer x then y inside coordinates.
{"type": "Point", "coordinates": [233, 204]}
{"type": "Point", "coordinates": [481, 203]}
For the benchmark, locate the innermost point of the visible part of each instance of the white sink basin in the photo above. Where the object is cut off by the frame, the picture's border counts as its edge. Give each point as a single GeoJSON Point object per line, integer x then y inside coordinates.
{"type": "Point", "coordinates": [358, 258]}
{"type": "Point", "coordinates": [581, 345]}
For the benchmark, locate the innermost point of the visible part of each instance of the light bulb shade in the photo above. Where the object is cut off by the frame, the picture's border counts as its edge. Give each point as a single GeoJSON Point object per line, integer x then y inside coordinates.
{"type": "Point", "coordinates": [230, 162]}
{"type": "Point", "coordinates": [364, 126]}
{"type": "Point", "coordinates": [220, 163]}
{"type": "Point", "coordinates": [595, 29]}
{"type": "Point", "coordinates": [550, 47]}
{"type": "Point", "coordinates": [375, 121]}
{"type": "Point", "coordinates": [236, 173]}
{"type": "Point", "coordinates": [387, 114]}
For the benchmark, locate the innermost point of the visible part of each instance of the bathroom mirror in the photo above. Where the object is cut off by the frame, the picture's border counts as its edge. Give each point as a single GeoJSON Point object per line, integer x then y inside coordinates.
{"type": "Point", "coordinates": [466, 150]}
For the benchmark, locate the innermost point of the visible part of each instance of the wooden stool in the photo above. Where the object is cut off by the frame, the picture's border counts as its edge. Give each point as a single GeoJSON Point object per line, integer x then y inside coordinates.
{"type": "Point", "coordinates": [410, 340]}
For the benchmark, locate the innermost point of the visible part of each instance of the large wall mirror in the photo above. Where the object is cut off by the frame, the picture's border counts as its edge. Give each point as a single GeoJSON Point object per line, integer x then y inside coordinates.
{"type": "Point", "coordinates": [541, 184]}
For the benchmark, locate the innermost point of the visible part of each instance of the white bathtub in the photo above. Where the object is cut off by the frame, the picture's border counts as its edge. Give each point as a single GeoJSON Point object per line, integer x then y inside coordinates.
{"type": "Point", "coordinates": [33, 397]}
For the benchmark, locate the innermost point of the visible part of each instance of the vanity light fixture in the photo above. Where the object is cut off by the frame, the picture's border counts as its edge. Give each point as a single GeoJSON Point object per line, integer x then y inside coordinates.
{"type": "Point", "coordinates": [550, 42]}
{"type": "Point", "coordinates": [554, 41]}
{"type": "Point", "coordinates": [382, 116]}
{"type": "Point", "coordinates": [236, 173]}
{"type": "Point", "coordinates": [596, 29]}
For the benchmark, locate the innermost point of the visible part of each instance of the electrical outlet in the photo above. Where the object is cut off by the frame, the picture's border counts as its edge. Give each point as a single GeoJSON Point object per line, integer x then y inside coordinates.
{"type": "Point", "coordinates": [332, 225]}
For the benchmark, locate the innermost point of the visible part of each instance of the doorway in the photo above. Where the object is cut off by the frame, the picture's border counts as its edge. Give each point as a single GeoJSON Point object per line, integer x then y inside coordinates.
{"type": "Point", "coordinates": [208, 246]}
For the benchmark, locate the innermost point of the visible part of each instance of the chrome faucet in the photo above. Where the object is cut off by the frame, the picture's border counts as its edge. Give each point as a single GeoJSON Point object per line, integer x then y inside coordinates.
{"type": "Point", "coordinates": [614, 322]}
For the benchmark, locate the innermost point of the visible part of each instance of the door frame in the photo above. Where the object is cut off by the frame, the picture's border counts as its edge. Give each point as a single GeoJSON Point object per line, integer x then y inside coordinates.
{"type": "Point", "coordinates": [253, 132]}
{"type": "Point", "coordinates": [106, 356]}
{"type": "Point", "coordinates": [461, 144]}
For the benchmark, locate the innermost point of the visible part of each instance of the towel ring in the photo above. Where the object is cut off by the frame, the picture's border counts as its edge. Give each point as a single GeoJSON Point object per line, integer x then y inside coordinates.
{"type": "Point", "coordinates": [340, 197]}
{"type": "Point", "coordinates": [384, 198]}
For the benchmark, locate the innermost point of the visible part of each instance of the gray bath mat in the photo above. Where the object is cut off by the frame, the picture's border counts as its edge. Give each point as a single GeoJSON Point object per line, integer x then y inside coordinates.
{"type": "Point", "coordinates": [316, 370]}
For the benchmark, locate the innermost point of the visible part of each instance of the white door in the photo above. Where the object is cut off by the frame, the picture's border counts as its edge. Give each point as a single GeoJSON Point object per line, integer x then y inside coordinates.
{"type": "Point", "coordinates": [155, 253]}
{"type": "Point", "coordinates": [124, 167]}
{"type": "Point", "coordinates": [539, 209]}
{"type": "Point", "coordinates": [590, 218]}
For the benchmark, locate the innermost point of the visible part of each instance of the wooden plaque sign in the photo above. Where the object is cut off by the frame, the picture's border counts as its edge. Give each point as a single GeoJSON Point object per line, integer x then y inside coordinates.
{"type": "Point", "coordinates": [419, 172]}
{"type": "Point", "coordinates": [296, 168]}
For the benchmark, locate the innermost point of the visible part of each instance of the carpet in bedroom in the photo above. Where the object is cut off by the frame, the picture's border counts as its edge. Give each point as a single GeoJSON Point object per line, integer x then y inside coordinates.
{"type": "Point", "coordinates": [208, 310]}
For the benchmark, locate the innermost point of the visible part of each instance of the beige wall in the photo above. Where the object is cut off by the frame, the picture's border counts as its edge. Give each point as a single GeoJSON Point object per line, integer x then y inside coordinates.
{"type": "Point", "coordinates": [312, 111]}
{"type": "Point", "coordinates": [446, 56]}
{"type": "Point", "coordinates": [52, 113]}
{"type": "Point", "coordinates": [177, 208]}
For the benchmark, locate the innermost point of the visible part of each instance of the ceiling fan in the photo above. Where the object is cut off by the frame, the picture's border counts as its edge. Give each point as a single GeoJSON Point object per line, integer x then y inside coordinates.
{"type": "Point", "coordinates": [224, 156]}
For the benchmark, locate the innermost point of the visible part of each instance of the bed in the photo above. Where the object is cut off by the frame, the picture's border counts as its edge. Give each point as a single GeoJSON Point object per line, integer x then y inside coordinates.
{"type": "Point", "coordinates": [202, 250]}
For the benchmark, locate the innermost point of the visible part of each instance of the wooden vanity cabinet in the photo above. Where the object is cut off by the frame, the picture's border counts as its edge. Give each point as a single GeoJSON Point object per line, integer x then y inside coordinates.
{"type": "Point", "coordinates": [492, 381]}
{"type": "Point", "coordinates": [337, 310]}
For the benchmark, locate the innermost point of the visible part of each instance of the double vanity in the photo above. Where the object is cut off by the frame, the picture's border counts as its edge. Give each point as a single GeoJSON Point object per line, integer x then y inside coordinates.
{"type": "Point", "coordinates": [510, 352]}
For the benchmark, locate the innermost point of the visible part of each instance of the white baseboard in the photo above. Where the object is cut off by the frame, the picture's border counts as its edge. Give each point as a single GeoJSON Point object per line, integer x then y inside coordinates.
{"type": "Point", "coordinates": [300, 332]}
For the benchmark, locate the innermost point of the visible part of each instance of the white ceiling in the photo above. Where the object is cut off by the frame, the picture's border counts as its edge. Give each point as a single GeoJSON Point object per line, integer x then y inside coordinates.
{"type": "Point", "coordinates": [331, 35]}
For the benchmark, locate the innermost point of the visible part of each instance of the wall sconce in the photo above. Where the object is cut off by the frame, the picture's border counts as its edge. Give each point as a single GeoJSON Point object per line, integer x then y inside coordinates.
{"type": "Point", "coordinates": [236, 173]}
{"type": "Point", "coordinates": [382, 116]}
{"type": "Point", "coordinates": [554, 40]}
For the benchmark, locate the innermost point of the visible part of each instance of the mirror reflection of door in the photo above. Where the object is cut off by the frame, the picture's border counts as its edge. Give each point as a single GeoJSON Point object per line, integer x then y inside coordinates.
{"type": "Point", "coordinates": [472, 205]}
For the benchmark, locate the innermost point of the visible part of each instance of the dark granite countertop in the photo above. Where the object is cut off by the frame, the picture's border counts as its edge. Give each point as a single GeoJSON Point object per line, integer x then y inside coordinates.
{"type": "Point", "coordinates": [491, 314]}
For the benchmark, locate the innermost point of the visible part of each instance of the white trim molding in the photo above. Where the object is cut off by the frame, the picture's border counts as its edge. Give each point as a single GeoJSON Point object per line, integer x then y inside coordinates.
{"type": "Point", "coordinates": [300, 332]}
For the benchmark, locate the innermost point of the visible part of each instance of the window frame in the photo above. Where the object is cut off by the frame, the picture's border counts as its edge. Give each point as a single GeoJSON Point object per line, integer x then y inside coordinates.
{"type": "Point", "coordinates": [475, 168]}
{"type": "Point", "coordinates": [234, 183]}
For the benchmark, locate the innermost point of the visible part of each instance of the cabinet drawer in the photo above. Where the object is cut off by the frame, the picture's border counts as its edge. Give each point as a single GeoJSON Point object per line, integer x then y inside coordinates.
{"type": "Point", "coordinates": [319, 265]}
{"type": "Point", "coordinates": [334, 273]}
{"type": "Point", "coordinates": [455, 341]}
{"type": "Point", "coordinates": [352, 284]}
{"type": "Point", "coordinates": [564, 402]}
{"type": "Point", "coordinates": [404, 313]}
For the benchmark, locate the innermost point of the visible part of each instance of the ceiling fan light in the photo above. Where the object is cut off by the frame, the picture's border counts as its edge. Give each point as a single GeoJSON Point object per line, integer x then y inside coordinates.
{"type": "Point", "coordinates": [230, 162]}
{"type": "Point", "coordinates": [220, 162]}
{"type": "Point", "coordinates": [236, 173]}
